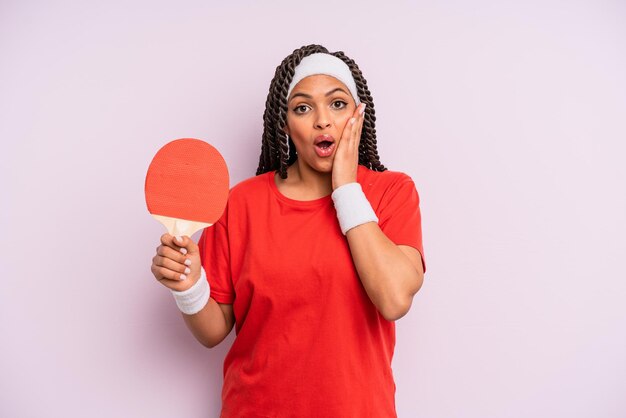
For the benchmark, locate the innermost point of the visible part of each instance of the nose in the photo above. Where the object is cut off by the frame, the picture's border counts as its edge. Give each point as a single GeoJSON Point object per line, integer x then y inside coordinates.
{"type": "Point", "coordinates": [322, 120]}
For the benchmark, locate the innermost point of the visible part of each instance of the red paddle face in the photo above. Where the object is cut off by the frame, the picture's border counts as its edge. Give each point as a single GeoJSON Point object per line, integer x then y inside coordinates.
{"type": "Point", "coordinates": [187, 180]}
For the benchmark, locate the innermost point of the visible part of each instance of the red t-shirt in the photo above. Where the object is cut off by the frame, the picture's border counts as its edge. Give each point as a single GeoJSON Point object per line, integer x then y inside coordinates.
{"type": "Point", "coordinates": [310, 343]}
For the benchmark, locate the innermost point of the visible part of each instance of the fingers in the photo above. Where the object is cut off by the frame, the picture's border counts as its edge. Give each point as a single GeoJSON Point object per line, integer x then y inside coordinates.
{"type": "Point", "coordinates": [346, 159]}
{"type": "Point", "coordinates": [188, 245]}
{"type": "Point", "coordinates": [358, 111]}
{"type": "Point", "coordinates": [182, 244]}
{"type": "Point", "coordinates": [171, 254]}
{"type": "Point", "coordinates": [347, 132]}
{"type": "Point", "coordinates": [169, 240]}
{"type": "Point", "coordinates": [352, 131]}
{"type": "Point", "coordinates": [164, 268]}
{"type": "Point", "coordinates": [171, 262]}
{"type": "Point", "coordinates": [358, 126]}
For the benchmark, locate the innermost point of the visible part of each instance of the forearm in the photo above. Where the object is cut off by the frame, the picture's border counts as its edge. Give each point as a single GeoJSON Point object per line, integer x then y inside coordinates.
{"type": "Point", "coordinates": [208, 325]}
{"type": "Point", "coordinates": [387, 274]}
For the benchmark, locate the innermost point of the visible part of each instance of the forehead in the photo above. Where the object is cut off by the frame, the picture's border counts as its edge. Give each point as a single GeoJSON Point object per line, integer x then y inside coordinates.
{"type": "Point", "coordinates": [318, 84]}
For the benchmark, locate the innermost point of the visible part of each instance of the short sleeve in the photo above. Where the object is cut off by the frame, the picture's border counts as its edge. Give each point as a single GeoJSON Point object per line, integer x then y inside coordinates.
{"type": "Point", "coordinates": [399, 215]}
{"type": "Point", "coordinates": [215, 257]}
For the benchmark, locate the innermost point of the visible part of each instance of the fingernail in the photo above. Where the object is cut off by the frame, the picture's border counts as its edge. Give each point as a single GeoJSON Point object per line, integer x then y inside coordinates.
{"type": "Point", "coordinates": [183, 277]}
{"type": "Point", "coordinates": [179, 239]}
{"type": "Point", "coordinates": [362, 108]}
{"type": "Point", "coordinates": [183, 250]}
{"type": "Point", "coordinates": [352, 121]}
{"type": "Point", "coordinates": [187, 262]}
{"type": "Point", "coordinates": [187, 270]}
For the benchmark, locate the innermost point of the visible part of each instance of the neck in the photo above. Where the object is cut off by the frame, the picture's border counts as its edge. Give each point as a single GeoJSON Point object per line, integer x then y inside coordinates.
{"type": "Point", "coordinates": [303, 177]}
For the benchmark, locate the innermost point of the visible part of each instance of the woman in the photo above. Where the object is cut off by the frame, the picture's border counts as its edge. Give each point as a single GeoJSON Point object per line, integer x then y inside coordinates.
{"type": "Point", "coordinates": [313, 258]}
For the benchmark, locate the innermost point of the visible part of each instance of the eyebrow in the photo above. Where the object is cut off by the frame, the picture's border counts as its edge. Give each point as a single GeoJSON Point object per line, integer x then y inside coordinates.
{"type": "Point", "coordinates": [310, 97]}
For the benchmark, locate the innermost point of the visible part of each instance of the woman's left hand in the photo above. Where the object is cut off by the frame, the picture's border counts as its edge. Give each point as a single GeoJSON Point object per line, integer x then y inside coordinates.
{"type": "Point", "coordinates": [346, 160]}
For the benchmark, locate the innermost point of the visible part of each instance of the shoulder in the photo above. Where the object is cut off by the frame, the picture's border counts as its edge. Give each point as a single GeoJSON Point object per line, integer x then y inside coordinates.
{"type": "Point", "coordinates": [250, 186]}
{"type": "Point", "coordinates": [387, 189]}
{"type": "Point", "coordinates": [382, 180]}
{"type": "Point", "coordinates": [242, 195]}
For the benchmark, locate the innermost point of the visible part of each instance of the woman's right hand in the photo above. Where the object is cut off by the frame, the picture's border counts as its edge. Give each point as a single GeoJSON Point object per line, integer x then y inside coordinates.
{"type": "Point", "coordinates": [176, 264]}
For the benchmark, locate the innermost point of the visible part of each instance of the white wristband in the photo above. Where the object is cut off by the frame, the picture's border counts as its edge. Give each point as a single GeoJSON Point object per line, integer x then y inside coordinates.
{"type": "Point", "coordinates": [353, 208]}
{"type": "Point", "coordinates": [192, 300]}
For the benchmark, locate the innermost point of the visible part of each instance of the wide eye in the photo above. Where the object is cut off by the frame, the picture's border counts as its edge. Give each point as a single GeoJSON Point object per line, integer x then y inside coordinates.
{"type": "Point", "coordinates": [341, 105]}
{"type": "Point", "coordinates": [301, 107]}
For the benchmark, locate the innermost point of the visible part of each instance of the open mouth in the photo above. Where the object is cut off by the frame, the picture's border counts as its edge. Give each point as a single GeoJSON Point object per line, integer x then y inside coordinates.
{"type": "Point", "coordinates": [324, 148]}
{"type": "Point", "coordinates": [324, 144]}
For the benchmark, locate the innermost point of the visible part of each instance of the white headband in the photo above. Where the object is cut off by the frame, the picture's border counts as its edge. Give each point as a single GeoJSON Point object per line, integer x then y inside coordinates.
{"type": "Point", "coordinates": [322, 63]}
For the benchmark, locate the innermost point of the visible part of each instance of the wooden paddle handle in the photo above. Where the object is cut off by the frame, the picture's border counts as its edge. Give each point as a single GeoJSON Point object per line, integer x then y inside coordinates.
{"type": "Point", "coordinates": [180, 227]}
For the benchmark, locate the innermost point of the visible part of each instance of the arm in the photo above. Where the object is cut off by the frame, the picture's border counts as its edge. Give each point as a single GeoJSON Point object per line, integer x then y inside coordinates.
{"type": "Point", "coordinates": [215, 321]}
{"type": "Point", "coordinates": [212, 324]}
{"type": "Point", "coordinates": [391, 274]}
{"type": "Point", "coordinates": [177, 265]}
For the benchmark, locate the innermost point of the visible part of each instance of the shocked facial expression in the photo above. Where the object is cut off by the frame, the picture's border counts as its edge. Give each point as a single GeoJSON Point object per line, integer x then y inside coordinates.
{"type": "Point", "coordinates": [318, 109]}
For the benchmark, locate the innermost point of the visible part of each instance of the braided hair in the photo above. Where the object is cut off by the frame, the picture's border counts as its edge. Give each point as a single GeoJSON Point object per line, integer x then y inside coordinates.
{"type": "Point", "coordinates": [278, 150]}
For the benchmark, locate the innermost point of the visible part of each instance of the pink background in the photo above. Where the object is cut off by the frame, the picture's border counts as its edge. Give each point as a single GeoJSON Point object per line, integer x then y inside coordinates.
{"type": "Point", "coordinates": [508, 115]}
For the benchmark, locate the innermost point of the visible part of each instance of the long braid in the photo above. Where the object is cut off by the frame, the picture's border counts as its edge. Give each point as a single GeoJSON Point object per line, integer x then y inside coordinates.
{"type": "Point", "coordinates": [277, 150]}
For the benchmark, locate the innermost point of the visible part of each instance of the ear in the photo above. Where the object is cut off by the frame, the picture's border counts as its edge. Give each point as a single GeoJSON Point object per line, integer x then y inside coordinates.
{"type": "Point", "coordinates": [286, 129]}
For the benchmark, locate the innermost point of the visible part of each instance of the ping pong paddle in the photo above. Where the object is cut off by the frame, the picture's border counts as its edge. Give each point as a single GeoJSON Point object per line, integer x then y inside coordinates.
{"type": "Point", "coordinates": [187, 186]}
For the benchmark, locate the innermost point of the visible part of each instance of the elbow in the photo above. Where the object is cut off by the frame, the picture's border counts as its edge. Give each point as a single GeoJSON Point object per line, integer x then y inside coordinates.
{"type": "Point", "coordinates": [203, 338]}
{"type": "Point", "coordinates": [417, 284]}
{"type": "Point", "coordinates": [204, 341]}
{"type": "Point", "coordinates": [396, 309]}
{"type": "Point", "coordinates": [210, 343]}
{"type": "Point", "coordinates": [393, 312]}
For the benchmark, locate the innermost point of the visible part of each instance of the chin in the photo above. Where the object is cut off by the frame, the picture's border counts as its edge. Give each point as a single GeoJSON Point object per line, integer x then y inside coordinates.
{"type": "Point", "coordinates": [324, 168]}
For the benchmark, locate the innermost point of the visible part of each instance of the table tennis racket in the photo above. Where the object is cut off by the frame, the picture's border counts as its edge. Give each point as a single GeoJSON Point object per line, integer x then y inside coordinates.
{"type": "Point", "coordinates": [187, 186]}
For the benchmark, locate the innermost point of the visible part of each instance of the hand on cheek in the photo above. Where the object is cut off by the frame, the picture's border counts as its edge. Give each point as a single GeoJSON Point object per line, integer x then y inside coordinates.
{"type": "Point", "coordinates": [346, 160]}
